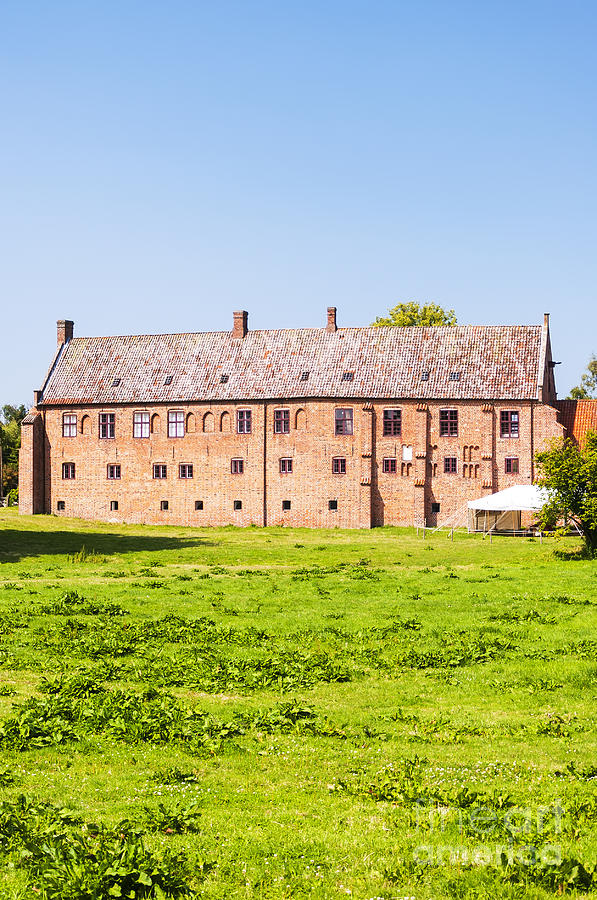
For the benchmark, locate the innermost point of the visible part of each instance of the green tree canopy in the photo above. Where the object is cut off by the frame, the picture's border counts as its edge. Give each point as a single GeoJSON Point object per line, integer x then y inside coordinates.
{"type": "Point", "coordinates": [10, 437]}
{"type": "Point", "coordinates": [587, 388]}
{"type": "Point", "coordinates": [569, 473]}
{"type": "Point", "coordinates": [407, 314]}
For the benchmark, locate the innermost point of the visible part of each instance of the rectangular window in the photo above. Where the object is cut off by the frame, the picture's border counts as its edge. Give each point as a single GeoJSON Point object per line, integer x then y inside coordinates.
{"type": "Point", "coordinates": [107, 425]}
{"type": "Point", "coordinates": [509, 423]}
{"type": "Point", "coordinates": [512, 467]}
{"type": "Point", "coordinates": [392, 422]}
{"type": "Point", "coordinates": [286, 466]}
{"type": "Point", "coordinates": [238, 504]}
{"type": "Point", "coordinates": [343, 421]}
{"type": "Point", "coordinates": [113, 505]}
{"type": "Point", "coordinates": [113, 472]}
{"type": "Point", "coordinates": [68, 471]}
{"type": "Point", "coordinates": [448, 422]}
{"type": "Point", "coordinates": [281, 421]}
{"type": "Point", "coordinates": [61, 505]}
{"type": "Point", "coordinates": [285, 505]}
{"type": "Point", "coordinates": [69, 425]}
{"type": "Point", "coordinates": [185, 470]}
{"type": "Point", "coordinates": [164, 505]}
{"type": "Point", "coordinates": [435, 507]}
{"type": "Point", "coordinates": [175, 423]}
{"type": "Point", "coordinates": [333, 505]}
{"type": "Point", "coordinates": [141, 424]}
{"type": "Point", "coordinates": [389, 465]}
{"type": "Point", "coordinates": [160, 471]}
{"type": "Point", "coordinates": [450, 465]}
{"type": "Point", "coordinates": [243, 421]}
{"type": "Point", "coordinates": [339, 465]}
{"type": "Point", "coordinates": [237, 466]}
{"type": "Point", "coordinates": [198, 504]}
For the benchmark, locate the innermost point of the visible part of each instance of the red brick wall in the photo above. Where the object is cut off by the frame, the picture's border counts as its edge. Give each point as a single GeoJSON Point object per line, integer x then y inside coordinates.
{"type": "Point", "coordinates": [365, 495]}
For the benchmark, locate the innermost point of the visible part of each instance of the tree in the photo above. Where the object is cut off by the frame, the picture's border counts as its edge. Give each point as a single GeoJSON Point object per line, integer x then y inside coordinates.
{"type": "Point", "coordinates": [407, 314]}
{"type": "Point", "coordinates": [10, 441]}
{"type": "Point", "coordinates": [569, 473]}
{"type": "Point", "coordinates": [587, 388]}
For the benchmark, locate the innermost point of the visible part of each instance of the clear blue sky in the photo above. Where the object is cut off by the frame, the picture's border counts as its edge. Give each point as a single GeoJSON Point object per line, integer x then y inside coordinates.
{"type": "Point", "coordinates": [164, 163]}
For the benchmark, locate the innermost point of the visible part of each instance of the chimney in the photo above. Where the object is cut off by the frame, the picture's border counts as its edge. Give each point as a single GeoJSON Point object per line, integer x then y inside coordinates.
{"type": "Point", "coordinates": [241, 323]}
{"type": "Point", "coordinates": [37, 397]}
{"type": "Point", "coordinates": [65, 330]}
{"type": "Point", "coordinates": [331, 326]}
{"type": "Point", "coordinates": [546, 320]}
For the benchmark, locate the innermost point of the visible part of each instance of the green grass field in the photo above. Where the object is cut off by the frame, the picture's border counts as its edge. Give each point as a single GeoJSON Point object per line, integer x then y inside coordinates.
{"type": "Point", "coordinates": [292, 713]}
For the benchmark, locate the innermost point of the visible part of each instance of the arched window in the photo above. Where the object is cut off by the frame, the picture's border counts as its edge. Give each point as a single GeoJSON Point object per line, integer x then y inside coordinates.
{"type": "Point", "coordinates": [225, 422]}
{"type": "Point", "coordinates": [191, 423]}
{"type": "Point", "coordinates": [86, 425]}
{"type": "Point", "coordinates": [208, 422]}
{"type": "Point", "coordinates": [300, 420]}
{"type": "Point", "coordinates": [155, 424]}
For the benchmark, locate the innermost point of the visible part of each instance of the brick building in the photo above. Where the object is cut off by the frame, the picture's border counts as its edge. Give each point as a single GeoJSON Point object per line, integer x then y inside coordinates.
{"type": "Point", "coordinates": [319, 427]}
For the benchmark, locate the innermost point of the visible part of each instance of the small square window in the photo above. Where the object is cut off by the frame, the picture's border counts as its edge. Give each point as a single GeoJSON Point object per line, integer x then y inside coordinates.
{"type": "Point", "coordinates": [450, 465]}
{"type": "Point", "coordinates": [333, 505]}
{"type": "Point", "coordinates": [285, 505]}
{"type": "Point", "coordinates": [198, 504]}
{"type": "Point", "coordinates": [116, 382]}
{"type": "Point", "coordinates": [237, 466]}
{"type": "Point", "coordinates": [164, 505]}
{"type": "Point", "coordinates": [168, 379]}
{"type": "Point", "coordinates": [435, 507]}
{"type": "Point", "coordinates": [389, 465]}
{"type": "Point", "coordinates": [113, 472]}
{"type": "Point", "coordinates": [160, 471]}
{"type": "Point", "coordinates": [304, 376]}
{"type": "Point", "coordinates": [348, 376]}
{"type": "Point", "coordinates": [68, 471]}
{"type": "Point", "coordinates": [113, 505]}
{"type": "Point", "coordinates": [223, 379]}
{"type": "Point", "coordinates": [185, 470]}
{"type": "Point", "coordinates": [238, 504]}
{"type": "Point", "coordinates": [454, 376]}
{"type": "Point", "coordinates": [424, 376]}
{"type": "Point", "coordinates": [512, 465]}
{"type": "Point", "coordinates": [339, 465]}
{"type": "Point", "coordinates": [286, 466]}
{"type": "Point", "coordinates": [61, 506]}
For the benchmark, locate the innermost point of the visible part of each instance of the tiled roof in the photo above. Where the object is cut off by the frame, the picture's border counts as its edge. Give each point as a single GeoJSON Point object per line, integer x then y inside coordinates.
{"type": "Point", "coordinates": [476, 362]}
{"type": "Point", "coordinates": [578, 417]}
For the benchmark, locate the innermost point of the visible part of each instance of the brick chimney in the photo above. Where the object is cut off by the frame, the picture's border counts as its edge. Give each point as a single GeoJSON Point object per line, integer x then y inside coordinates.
{"type": "Point", "coordinates": [241, 323]}
{"type": "Point", "coordinates": [331, 325]}
{"type": "Point", "coordinates": [546, 320]}
{"type": "Point", "coordinates": [65, 329]}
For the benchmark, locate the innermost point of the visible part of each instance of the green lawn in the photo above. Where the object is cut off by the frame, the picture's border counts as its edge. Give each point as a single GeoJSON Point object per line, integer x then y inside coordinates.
{"type": "Point", "coordinates": [292, 713]}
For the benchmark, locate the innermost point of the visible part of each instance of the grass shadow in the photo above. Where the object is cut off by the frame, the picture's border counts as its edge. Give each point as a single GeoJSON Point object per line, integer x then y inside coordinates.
{"type": "Point", "coordinates": [15, 544]}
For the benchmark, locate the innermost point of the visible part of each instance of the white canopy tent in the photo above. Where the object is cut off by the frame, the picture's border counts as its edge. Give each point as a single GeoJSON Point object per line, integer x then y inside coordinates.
{"type": "Point", "coordinates": [502, 511]}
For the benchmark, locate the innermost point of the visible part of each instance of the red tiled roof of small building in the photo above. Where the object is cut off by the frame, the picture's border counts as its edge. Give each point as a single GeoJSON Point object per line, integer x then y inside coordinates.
{"type": "Point", "coordinates": [491, 361]}
{"type": "Point", "coordinates": [578, 417]}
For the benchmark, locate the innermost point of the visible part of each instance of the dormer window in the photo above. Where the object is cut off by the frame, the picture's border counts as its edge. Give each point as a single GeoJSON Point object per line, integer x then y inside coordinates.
{"type": "Point", "coordinates": [168, 379]}
{"type": "Point", "coordinates": [116, 382]}
{"type": "Point", "coordinates": [454, 376]}
{"type": "Point", "coordinates": [425, 376]}
{"type": "Point", "coordinates": [223, 379]}
{"type": "Point", "coordinates": [304, 376]}
{"type": "Point", "coordinates": [348, 376]}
